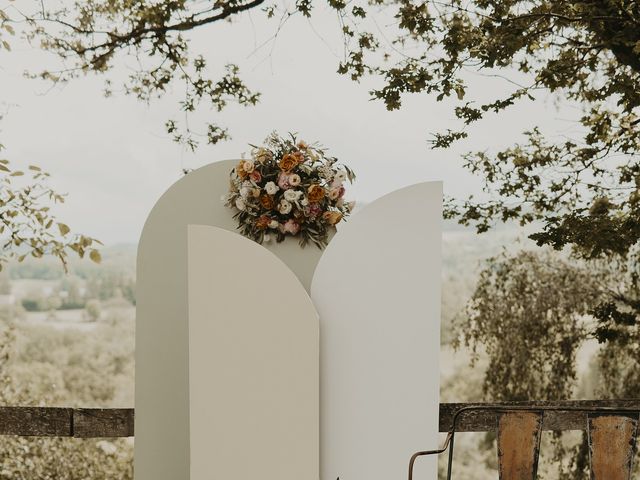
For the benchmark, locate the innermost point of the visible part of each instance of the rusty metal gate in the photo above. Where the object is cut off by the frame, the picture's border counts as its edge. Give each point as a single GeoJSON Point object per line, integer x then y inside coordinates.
{"type": "Point", "coordinates": [611, 437]}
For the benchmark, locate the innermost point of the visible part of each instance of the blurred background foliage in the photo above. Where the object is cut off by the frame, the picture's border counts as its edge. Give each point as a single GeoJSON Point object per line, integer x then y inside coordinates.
{"type": "Point", "coordinates": [68, 340]}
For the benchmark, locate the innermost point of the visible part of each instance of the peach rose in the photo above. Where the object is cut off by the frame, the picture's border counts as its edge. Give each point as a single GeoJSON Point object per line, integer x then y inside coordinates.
{"type": "Point", "coordinates": [315, 193]}
{"type": "Point", "coordinates": [240, 171]}
{"type": "Point", "coordinates": [299, 156]}
{"type": "Point", "coordinates": [332, 217]}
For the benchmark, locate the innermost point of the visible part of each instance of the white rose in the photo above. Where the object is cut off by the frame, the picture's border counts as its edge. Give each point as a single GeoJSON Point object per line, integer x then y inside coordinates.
{"type": "Point", "coordinates": [248, 166]}
{"type": "Point", "coordinates": [240, 205]}
{"type": "Point", "coordinates": [285, 207]}
{"type": "Point", "coordinates": [292, 195]}
{"type": "Point", "coordinates": [273, 224]}
{"type": "Point", "coordinates": [294, 180]}
{"type": "Point", "coordinates": [271, 188]}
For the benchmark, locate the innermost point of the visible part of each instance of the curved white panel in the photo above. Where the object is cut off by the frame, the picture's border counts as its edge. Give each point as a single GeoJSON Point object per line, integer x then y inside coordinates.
{"type": "Point", "coordinates": [377, 290]}
{"type": "Point", "coordinates": [162, 356]}
{"type": "Point", "coordinates": [253, 363]}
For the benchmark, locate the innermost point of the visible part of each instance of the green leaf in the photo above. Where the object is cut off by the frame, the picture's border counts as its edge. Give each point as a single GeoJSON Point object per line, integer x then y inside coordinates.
{"type": "Point", "coordinates": [64, 229]}
{"type": "Point", "coordinates": [95, 256]}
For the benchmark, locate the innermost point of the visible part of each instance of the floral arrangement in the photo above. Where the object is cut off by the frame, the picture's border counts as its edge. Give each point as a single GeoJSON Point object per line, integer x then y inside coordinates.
{"type": "Point", "coordinates": [288, 187]}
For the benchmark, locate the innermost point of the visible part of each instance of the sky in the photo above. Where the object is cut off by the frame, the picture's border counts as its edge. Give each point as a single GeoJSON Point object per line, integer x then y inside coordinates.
{"type": "Point", "coordinates": [113, 159]}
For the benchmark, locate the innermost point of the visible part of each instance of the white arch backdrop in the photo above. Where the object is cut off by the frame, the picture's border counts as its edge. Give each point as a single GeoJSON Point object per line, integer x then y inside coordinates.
{"type": "Point", "coordinates": [164, 409]}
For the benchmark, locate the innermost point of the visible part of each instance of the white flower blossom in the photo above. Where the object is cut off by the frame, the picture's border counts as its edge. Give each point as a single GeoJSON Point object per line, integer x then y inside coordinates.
{"type": "Point", "coordinates": [248, 166]}
{"type": "Point", "coordinates": [292, 195]}
{"type": "Point", "coordinates": [245, 192]}
{"type": "Point", "coordinates": [325, 172]}
{"type": "Point", "coordinates": [294, 180]}
{"type": "Point", "coordinates": [273, 224]}
{"type": "Point", "coordinates": [304, 202]}
{"type": "Point", "coordinates": [271, 188]}
{"type": "Point", "coordinates": [285, 207]}
{"type": "Point", "coordinates": [341, 175]}
{"type": "Point", "coordinates": [240, 205]}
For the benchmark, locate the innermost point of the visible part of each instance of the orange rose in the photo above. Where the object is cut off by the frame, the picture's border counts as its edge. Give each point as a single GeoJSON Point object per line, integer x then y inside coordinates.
{"type": "Point", "coordinates": [315, 193]}
{"type": "Point", "coordinates": [288, 163]}
{"type": "Point", "coordinates": [332, 217]}
{"type": "Point", "coordinates": [263, 222]}
{"type": "Point", "coordinates": [240, 171]}
{"type": "Point", "coordinates": [267, 202]}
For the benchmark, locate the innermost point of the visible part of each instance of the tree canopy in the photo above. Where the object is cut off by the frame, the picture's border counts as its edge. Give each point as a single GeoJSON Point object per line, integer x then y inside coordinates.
{"type": "Point", "coordinates": [583, 190]}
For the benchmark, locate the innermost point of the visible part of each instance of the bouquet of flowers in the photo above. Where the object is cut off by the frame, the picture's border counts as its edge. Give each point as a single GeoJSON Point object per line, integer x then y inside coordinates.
{"type": "Point", "coordinates": [288, 187]}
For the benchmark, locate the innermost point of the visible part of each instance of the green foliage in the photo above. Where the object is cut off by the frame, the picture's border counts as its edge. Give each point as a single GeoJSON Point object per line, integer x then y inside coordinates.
{"type": "Point", "coordinates": [6, 30]}
{"type": "Point", "coordinates": [65, 459]}
{"type": "Point", "coordinates": [27, 225]}
{"type": "Point", "coordinates": [527, 313]}
{"type": "Point", "coordinates": [584, 189]}
{"type": "Point", "coordinates": [93, 310]}
{"type": "Point", "coordinates": [53, 367]}
{"type": "Point", "coordinates": [90, 35]}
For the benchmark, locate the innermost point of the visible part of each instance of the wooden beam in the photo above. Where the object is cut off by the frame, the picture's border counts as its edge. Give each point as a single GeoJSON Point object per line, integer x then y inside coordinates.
{"type": "Point", "coordinates": [557, 420]}
{"type": "Point", "coordinates": [26, 421]}
{"type": "Point", "coordinates": [102, 422]}
{"type": "Point", "coordinates": [119, 422]}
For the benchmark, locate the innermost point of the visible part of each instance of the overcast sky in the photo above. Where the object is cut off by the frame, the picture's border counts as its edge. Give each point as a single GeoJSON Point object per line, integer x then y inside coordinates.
{"type": "Point", "coordinates": [113, 158]}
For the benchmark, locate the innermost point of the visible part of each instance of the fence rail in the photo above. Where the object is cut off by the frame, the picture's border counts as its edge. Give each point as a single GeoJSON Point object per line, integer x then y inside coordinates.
{"type": "Point", "coordinates": [118, 422]}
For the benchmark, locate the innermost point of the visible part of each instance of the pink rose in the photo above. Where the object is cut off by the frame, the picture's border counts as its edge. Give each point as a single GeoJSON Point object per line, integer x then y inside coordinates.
{"type": "Point", "coordinates": [334, 193]}
{"type": "Point", "coordinates": [255, 176]}
{"type": "Point", "coordinates": [314, 210]}
{"type": "Point", "coordinates": [291, 226]}
{"type": "Point", "coordinates": [283, 181]}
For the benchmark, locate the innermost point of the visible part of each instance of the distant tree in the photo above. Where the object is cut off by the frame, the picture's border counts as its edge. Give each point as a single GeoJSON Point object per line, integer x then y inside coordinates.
{"type": "Point", "coordinates": [93, 310]}
{"type": "Point", "coordinates": [529, 313]}
{"type": "Point", "coordinates": [5, 284]}
{"type": "Point", "coordinates": [71, 293]}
